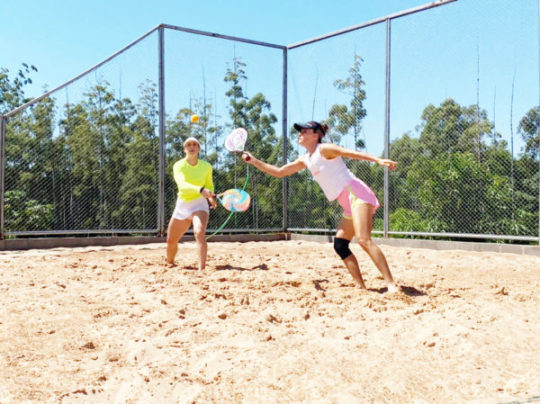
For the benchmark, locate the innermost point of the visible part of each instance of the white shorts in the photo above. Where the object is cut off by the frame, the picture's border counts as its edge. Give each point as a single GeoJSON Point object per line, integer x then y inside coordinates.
{"type": "Point", "coordinates": [185, 210]}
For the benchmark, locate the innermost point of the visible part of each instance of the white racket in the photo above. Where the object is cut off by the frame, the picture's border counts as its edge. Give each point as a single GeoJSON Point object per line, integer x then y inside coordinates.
{"type": "Point", "coordinates": [236, 141]}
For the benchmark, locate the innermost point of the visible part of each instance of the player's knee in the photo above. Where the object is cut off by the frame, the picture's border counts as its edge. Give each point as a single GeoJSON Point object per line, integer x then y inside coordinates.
{"type": "Point", "coordinates": [341, 246]}
{"type": "Point", "coordinates": [200, 235]}
{"type": "Point", "coordinates": [364, 242]}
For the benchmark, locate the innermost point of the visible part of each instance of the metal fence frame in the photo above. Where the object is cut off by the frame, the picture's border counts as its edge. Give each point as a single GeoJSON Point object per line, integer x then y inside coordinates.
{"type": "Point", "coordinates": [3, 123]}
{"type": "Point", "coordinates": [161, 220]}
{"type": "Point", "coordinates": [386, 232]}
{"type": "Point", "coordinates": [161, 224]}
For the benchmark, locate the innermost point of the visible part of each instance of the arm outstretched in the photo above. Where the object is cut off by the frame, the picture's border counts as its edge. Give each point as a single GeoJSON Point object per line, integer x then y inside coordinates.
{"type": "Point", "coordinates": [283, 171]}
{"type": "Point", "coordinates": [331, 151]}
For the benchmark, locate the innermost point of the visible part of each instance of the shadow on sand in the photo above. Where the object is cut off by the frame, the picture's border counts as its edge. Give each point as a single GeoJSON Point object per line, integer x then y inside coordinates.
{"type": "Point", "coordinates": [228, 267]}
{"type": "Point", "coordinates": [406, 290]}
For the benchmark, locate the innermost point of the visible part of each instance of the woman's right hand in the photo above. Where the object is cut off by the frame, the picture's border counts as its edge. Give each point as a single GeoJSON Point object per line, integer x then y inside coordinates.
{"type": "Point", "coordinates": [206, 193]}
{"type": "Point", "coordinates": [212, 201]}
{"type": "Point", "coordinates": [247, 157]}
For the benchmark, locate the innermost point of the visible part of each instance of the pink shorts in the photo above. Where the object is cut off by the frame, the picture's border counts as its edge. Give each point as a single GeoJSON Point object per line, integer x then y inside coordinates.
{"type": "Point", "coordinates": [355, 192]}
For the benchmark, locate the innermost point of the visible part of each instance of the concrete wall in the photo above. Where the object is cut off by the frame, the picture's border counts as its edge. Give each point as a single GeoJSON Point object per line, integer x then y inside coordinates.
{"type": "Point", "coordinates": [43, 243]}
{"type": "Point", "coordinates": [437, 244]}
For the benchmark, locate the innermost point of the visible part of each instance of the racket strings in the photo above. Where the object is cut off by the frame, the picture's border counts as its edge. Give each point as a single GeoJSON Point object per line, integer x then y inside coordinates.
{"type": "Point", "coordinates": [235, 142]}
{"type": "Point", "coordinates": [230, 214]}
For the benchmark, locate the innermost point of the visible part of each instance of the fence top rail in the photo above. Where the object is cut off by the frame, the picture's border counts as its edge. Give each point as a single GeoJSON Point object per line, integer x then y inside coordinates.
{"type": "Point", "coordinates": [221, 36]}
{"type": "Point", "coordinates": [95, 67]}
{"type": "Point", "coordinates": [372, 22]}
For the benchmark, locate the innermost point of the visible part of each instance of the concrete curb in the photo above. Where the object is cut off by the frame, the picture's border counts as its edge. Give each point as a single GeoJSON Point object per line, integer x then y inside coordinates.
{"type": "Point", "coordinates": [437, 244]}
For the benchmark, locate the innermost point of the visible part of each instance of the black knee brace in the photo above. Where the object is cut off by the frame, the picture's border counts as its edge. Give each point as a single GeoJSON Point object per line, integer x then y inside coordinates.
{"type": "Point", "coordinates": [341, 246]}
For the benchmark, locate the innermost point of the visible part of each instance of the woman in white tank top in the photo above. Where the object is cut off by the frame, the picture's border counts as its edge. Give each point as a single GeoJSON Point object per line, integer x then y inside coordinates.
{"type": "Point", "coordinates": [324, 161]}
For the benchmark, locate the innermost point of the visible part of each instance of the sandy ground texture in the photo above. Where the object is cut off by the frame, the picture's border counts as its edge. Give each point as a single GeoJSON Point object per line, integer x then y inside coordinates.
{"type": "Point", "coordinates": [267, 322]}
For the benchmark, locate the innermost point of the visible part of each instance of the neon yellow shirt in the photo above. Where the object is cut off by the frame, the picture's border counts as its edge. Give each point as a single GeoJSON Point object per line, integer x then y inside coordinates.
{"type": "Point", "coordinates": [190, 179]}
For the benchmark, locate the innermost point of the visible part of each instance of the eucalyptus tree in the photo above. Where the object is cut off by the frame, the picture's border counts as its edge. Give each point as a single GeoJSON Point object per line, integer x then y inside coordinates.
{"type": "Point", "coordinates": [347, 119]}
{"type": "Point", "coordinates": [255, 115]}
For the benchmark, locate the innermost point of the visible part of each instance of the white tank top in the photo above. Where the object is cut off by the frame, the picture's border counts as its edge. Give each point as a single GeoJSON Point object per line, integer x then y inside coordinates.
{"type": "Point", "coordinates": [332, 175]}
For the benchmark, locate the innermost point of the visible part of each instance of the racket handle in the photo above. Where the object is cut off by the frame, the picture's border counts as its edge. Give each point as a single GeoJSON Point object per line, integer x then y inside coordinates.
{"type": "Point", "coordinates": [246, 157]}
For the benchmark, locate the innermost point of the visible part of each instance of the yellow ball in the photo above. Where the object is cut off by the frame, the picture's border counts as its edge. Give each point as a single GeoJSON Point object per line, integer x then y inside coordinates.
{"type": "Point", "coordinates": [194, 118]}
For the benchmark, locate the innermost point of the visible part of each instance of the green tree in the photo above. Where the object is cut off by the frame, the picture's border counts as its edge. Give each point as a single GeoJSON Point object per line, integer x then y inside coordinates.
{"type": "Point", "coordinates": [345, 119]}
{"type": "Point", "coordinates": [452, 128]}
{"type": "Point", "coordinates": [529, 128]}
{"type": "Point", "coordinates": [139, 183]}
{"type": "Point", "coordinates": [405, 150]}
{"type": "Point", "coordinates": [237, 98]}
{"type": "Point", "coordinates": [306, 199]}
{"type": "Point", "coordinates": [254, 114]}
{"type": "Point", "coordinates": [31, 163]}
{"type": "Point", "coordinates": [12, 90]}
{"type": "Point", "coordinates": [97, 132]}
{"type": "Point", "coordinates": [139, 188]}
{"type": "Point", "coordinates": [26, 214]}
{"type": "Point", "coordinates": [450, 189]}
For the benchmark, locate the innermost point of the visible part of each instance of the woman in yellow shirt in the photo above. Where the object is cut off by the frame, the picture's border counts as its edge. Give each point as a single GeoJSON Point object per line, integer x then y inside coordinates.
{"type": "Point", "coordinates": [195, 190]}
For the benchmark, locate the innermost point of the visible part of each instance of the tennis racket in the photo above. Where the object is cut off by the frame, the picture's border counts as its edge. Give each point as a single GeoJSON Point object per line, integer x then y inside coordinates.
{"type": "Point", "coordinates": [236, 141]}
{"type": "Point", "coordinates": [234, 200]}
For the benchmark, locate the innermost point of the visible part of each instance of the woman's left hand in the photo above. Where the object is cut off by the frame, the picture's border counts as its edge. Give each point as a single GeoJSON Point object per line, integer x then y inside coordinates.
{"type": "Point", "coordinates": [387, 163]}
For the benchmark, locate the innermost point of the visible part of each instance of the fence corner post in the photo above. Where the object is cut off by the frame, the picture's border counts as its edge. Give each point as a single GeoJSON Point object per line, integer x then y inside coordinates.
{"type": "Point", "coordinates": [285, 182]}
{"type": "Point", "coordinates": [3, 125]}
{"type": "Point", "coordinates": [386, 219]}
{"type": "Point", "coordinates": [161, 96]}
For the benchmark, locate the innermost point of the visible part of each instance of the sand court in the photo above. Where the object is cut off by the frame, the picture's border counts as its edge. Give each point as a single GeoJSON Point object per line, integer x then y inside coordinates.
{"type": "Point", "coordinates": [267, 322]}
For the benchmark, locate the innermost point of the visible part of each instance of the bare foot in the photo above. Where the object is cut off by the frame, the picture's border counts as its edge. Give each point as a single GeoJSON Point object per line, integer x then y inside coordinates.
{"type": "Point", "coordinates": [170, 264]}
{"type": "Point", "coordinates": [360, 283]}
{"type": "Point", "coordinates": [393, 288]}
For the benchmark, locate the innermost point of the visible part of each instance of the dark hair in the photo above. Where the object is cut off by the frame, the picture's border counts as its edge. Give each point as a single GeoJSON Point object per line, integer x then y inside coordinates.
{"type": "Point", "coordinates": [322, 129]}
{"type": "Point", "coordinates": [315, 126]}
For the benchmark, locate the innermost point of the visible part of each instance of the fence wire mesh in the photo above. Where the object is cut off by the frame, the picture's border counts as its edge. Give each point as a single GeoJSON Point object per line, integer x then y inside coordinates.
{"type": "Point", "coordinates": [340, 81]}
{"type": "Point", "coordinates": [85, 157]}
{"type": "Point", "coordinates": [463, 135]}
{"type": "Point", "coordinates": [463, 127]}
{"type": "Point", "coordinates": [228, 85]}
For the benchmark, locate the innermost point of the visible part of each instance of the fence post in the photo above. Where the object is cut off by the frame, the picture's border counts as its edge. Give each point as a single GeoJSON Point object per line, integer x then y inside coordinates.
{"type": "Point", "coordinates": [161, 95]}
{"type": "Point", "coordinates": [285, 182]}
{"type": "Point", "coordinates": [387, 127]}
{"type": "Point", "coordinates": [538, 123]}
{"type": "Point", "coordinates": [3, 124]}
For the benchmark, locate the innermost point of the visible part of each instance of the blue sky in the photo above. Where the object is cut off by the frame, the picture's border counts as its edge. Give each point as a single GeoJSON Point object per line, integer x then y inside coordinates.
{"type": "Point", "coordinates": [437, 54]}
{"type": "Point", "coordinates": [65, 37]}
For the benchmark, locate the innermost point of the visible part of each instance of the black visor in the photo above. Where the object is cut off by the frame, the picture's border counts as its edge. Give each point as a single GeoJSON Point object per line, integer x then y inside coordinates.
{"type": "Point", "coordinates": [316, 126]}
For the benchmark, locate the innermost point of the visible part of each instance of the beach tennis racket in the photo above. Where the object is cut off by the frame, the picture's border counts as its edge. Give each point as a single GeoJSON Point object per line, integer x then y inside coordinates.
{"type": "Point", "coordinates": [234, 200]}
{"type": "Point", "coordinates": [236, 141]}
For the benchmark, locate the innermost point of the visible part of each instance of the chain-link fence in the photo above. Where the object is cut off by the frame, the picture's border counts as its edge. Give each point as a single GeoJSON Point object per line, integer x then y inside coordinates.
{"type": "Point", "coordinates": [227, 83]}
{"type": "Point", "coordinates": [95, 155]}
{"type": "Point", "coordinates": [451, 93]}
{"type": "Point", "coordinates": [84, 158]}
{"type": "Point", "coordinates": [468, 165]}
{"type": "Point", "coordinates": [450, 90]}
